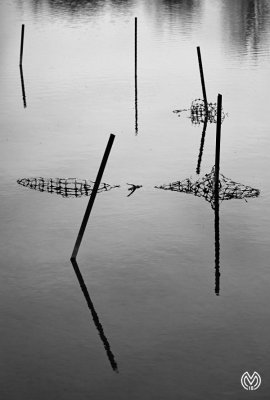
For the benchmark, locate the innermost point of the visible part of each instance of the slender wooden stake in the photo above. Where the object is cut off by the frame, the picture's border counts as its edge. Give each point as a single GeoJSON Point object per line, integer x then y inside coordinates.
{"type": "Point", "coordinates": [217, 167]}
{"type": "Point", "coordinates": [218, 133]}
{"type": "Point", "coordinates": [136, 35]}
{"type": "Point", "coordinates": [136, 80]}
{"type": "Point", "coordinates": [22, 41]}
{"type": "Point", "coordinates": [92, 197]}
{"type": "Point", "coordinates": [202, 78]}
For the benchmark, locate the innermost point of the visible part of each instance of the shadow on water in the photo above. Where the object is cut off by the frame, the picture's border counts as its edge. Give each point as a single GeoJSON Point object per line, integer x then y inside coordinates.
{"type": "Point", "coordinates": [95, 317]}
{"type": "Point", "coordinates": [23, 87]}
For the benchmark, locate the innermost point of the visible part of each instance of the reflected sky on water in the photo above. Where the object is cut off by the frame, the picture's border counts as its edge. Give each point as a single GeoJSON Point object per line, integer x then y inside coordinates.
{"type": "Point", "coordinates": [244, 24]}
{"type": "Point", "coordinates": [152, 260]}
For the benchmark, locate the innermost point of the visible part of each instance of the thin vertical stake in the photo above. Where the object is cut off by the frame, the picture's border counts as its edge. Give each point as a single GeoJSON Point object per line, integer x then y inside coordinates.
{"type": "Point", "coordinates": [93, 196]}
{"type": "Point", "coordinates": [136, 33]}
{"type": "Point", "coordinates": [217, 167]}
{"type": "Point", "coordinates": [22, 41]}
{"type": "Point", "coordinates": [202, 78]}
{"type": "Point", "coordinates": [136, 80]}
{"type": "Point", "coordinates": [217, 159]}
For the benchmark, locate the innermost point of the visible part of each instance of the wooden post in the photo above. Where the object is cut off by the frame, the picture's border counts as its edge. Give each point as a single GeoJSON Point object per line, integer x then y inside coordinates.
{"type": "Point", "coordinates": [22, 41]}
{"type": "Point", "coordinates": [202, 79]}
{"type": "Point", "coordinates": [136, 80]}
{"type": "Point", "coordinates": [217, 158]}
{"type": "Point", "coordinates": [135, 36]}
{"type": "Point", "coordinates": [217, 167]}
{"type": "Point", "coordinates": [93, 196]}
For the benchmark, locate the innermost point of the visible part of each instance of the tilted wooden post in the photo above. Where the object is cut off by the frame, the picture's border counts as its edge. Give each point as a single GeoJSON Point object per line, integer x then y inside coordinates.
{"type": "Point", "coordinates": [92, 197]}
{"type": "Point", "coordinates": [22, 41]}
{"type": "Point", "coordinates": [202, 78]}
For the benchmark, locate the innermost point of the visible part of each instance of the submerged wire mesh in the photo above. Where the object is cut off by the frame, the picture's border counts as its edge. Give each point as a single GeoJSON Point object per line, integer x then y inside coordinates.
{"type": "Point", "coordinates": [66, 187]}
{"type": "Point", "coordinates": [205, 187]}
{"type": "Point", "coordinates": [198, 113]}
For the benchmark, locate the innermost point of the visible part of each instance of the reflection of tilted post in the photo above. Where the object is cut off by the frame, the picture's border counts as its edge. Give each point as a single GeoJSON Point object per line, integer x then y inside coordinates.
{"type": "Point", "coordinates": [92, 197]}
{"type": "Point", "coordinates": [217, 251]}
{"type": "Point", "coordinates": [23, 88]}
{"type": "Point", "coordinates": [136, 80]}
{"type": "Point", "coordinates": [95, 316]}
{"type": "Point", "coordinates": [198, 169]}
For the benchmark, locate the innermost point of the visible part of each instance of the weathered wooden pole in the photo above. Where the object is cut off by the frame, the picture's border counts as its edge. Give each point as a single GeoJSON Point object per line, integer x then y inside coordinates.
{"type": "Point", "coordinates": [217, 167]}
{"type": "Point", "coordinates": [136, 42]}
{"type": "Point", "coordinates": [202, 78]}
{"type": "Point", "coordinates": [93, 196]}
{"type": "Point", "coordinates": [22, 41]}
{"type": "Point", "coordinates": [218, 134]}
{"type": "Point", "coordinates": [136, 80]}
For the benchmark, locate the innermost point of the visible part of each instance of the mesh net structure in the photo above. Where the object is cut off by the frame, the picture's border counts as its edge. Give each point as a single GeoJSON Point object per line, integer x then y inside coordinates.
{"type": "Point", "coordinates": [198, 113]}
{"type": "Point", "coordinates": [66, 187]}
{"type": "Point", "coordinates": [205, 187]}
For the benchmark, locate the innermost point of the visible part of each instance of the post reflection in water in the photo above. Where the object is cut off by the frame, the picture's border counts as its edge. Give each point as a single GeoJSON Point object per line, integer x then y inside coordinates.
{"type": "Point", "coordinates": [198, 169]}
{"type": "Point", "coordinates": [23, 88]}
{"type": "Point", "coordinates": [214, 194]}
{"type": "Point", "coordinates": [97, 323]}
{"type": "Point", "coordinates": [217, 250]}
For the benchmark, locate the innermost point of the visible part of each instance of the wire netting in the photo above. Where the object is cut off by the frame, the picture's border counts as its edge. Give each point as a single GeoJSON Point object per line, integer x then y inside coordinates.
{"type": "Point", "coordinates": [198, 113]}
{"type": "Point", "coordinates": [205, 187]}
{"type": "Point", "coordinates": [66, 187]}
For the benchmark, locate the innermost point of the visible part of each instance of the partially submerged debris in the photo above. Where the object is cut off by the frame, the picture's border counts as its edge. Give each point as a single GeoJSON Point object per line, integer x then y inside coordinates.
{"type": "Point", "coordinates": [205, 187]}
{"type": "Point", "coordinates": [198, 112]}
{"type": "Point", "coordinates": [66, 187]}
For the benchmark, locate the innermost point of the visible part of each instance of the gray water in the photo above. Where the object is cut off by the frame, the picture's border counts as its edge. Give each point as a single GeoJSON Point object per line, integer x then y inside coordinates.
{"type": "Point", "coordinates": [148, 261]}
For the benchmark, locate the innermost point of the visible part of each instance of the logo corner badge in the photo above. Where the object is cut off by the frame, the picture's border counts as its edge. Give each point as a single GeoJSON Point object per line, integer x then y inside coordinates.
{"type": "Point", "coordinates": [251, 382]}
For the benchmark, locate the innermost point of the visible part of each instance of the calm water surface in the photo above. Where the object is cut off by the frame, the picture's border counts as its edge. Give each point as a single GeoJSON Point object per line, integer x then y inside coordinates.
{"type": "Point", "coordinates": [142, 297]}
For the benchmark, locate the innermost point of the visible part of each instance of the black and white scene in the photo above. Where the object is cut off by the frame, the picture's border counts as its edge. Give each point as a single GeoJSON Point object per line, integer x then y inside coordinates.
{"type": "Point", "coordinates": [135, 199]}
